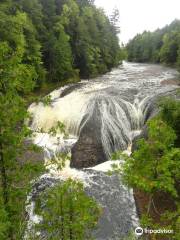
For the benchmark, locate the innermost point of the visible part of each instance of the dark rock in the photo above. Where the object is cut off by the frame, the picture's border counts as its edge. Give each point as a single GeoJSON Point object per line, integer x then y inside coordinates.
{"type": "Point", "coordinates": [151, 112]}
{"type": "Point", "coordinates": [88, 151]}
{"type": "Point", "coordinates": [119, 215]}
{"type": "Point", "coordinates": [70, 89]}
{"type": "Point", "coordinates": [30, 155]}
{"type": "Point", "coordinates": [41, 185]}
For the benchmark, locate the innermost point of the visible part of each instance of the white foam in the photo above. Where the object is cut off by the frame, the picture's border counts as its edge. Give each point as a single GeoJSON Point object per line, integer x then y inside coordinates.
{"type": "Point", "coordinates": [106, 166]}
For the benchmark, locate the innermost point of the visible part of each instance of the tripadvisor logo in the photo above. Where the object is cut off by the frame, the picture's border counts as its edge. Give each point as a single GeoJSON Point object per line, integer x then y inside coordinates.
{"type": "Point", "coordinates": [138, 231]}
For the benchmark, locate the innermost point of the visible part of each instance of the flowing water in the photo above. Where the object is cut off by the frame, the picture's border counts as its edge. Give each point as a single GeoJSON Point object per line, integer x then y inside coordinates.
{"type": "Point", "coordinates": [101, 116]}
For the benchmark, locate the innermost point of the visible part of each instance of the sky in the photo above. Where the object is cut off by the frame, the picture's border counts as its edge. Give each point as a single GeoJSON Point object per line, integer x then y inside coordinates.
{"type": "Point", "coordinates": [139, 15]}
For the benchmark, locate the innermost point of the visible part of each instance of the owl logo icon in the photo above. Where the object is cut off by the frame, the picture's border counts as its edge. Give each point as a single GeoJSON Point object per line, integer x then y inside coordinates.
{"type": "Point", "coordinates": [138, 231]}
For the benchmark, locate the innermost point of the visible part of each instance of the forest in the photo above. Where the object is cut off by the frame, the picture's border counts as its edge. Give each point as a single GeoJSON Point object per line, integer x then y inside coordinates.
{"type": "Point", "coordinates": [160, 46]}
{"type": "Point", "coordinates": [45, 44]}
{"type": "Point", "coordinates": [40, 32]}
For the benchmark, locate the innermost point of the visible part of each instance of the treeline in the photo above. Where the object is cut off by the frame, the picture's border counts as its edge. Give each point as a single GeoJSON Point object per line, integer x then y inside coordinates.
{"type": "Point", "coordinates": [160, 46]}
{"type": "Point", "coordinates": [61, 39]}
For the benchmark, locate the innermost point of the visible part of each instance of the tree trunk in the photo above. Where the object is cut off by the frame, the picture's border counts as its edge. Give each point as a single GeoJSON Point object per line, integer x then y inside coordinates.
{"type": "Point", "coordinates": [149, 204]}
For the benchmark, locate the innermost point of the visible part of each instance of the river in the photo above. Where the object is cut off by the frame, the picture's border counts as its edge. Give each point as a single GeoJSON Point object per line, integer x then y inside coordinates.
{"type": "Point", "coordinates": [101, 116]}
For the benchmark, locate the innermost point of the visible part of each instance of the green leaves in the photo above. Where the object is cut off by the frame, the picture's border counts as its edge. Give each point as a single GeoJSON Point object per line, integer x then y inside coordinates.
{"type": "Point", "coordinates": [17, 77]}
{"type": "Point", "coordinates": [169, 50]}
{"type": "Point", "coordinates": [170, 113]}
{"type": "Point", "coordinates": [68, 213]}
{"type": "Point", "coordinates": [150, 167]}
{"type": "Point", "coordinates": [4, 223]}
{"type": "Point", "coordinates": [162, 45]}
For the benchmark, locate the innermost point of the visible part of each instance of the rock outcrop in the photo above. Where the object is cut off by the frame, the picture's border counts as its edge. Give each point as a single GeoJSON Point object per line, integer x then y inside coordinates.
{"type": "Point", "coordinates": [88, 151]}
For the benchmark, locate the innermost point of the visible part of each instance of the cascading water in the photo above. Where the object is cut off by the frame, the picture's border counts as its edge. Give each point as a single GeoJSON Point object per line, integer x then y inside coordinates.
{"type": "Point", "coordinates": [105, 113]}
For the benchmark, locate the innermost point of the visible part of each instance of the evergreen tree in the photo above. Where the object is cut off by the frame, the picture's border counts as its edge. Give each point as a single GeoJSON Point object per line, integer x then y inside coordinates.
{"type": "Point", "coordinates": [69, 36]}
{"type": "Point", "coordinates": [169, 50]}
{"type": "Point", "coordinates": [161, 45]}
{"type": "Point", "coordinates": [170, 114]}
{"type": "Point", "coordinates": [68, 213]}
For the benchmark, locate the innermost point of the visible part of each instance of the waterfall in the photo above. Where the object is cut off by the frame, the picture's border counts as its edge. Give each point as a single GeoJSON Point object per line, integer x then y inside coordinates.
{"type": "Point", "coordinates": [113, 108]}
{"type": "Point", "coordinates": [118, 118]}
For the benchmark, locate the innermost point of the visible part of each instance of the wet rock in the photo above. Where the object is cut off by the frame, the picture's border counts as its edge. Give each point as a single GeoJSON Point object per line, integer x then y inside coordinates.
{"type": "Point", "coordinates": [88, 151]}
{"type": "Point", "coordinates": [151, 112]}
{"type": "Point", "coordinates": [30, 155]}
{"type": "Point", "coordinates": [41, 185]}
{"type": "Point", "coordinates": [70, 89]}
{"type": "Point", "coordinates": [118, 206]}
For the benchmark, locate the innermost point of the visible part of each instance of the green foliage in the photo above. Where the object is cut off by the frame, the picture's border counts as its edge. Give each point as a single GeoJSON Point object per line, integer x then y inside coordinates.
{"type": "Point", "coordinates": [170, 113]}
{"type": "Point", "coordinates": [18, 76]}
{"type": "Point", "coordinates": [169, 49]}
{"type": "Point", "coordinates": [68, 213]}
{"type": "Point", "coordinates": [147, 221]}
{"type": "Point", "coordinates": [46, 100]}
{"type": "Point", "coordinates": [59, 128]}
{"type": "Point", "coordinates": [150, 167]}
{"type": "Point", "coordinates": [59, 160]}
{"type": "Point", "coordinates": [169, 221]}
{"type": "Point", "coordinates": [116, 155]}
{"type": "Point", "coordinates": [4, 222]}
{"type": "Point", "coordinates": [77, 37]}
{"type": "Point", "coordinates": [162, 45]}
{"type": "Point", "coordinates": [172, 219]}
{"type": "Point", "coordinates": [155, 166]}
{"type": "Point", "coordinates": [63, 38]}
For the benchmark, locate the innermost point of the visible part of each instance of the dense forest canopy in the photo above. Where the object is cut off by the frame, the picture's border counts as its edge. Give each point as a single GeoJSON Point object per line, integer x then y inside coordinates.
{"type": "Point", "coordinates": [61, 38]}
{"type": "Point", "coordinates": [160, 46]}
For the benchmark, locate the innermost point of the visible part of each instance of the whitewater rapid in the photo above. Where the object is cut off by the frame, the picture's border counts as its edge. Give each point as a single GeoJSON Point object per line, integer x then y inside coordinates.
{"type": "Point", "coordinates": [121, 99]}
{"type": "Point", "coordinates": [116, 107]}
